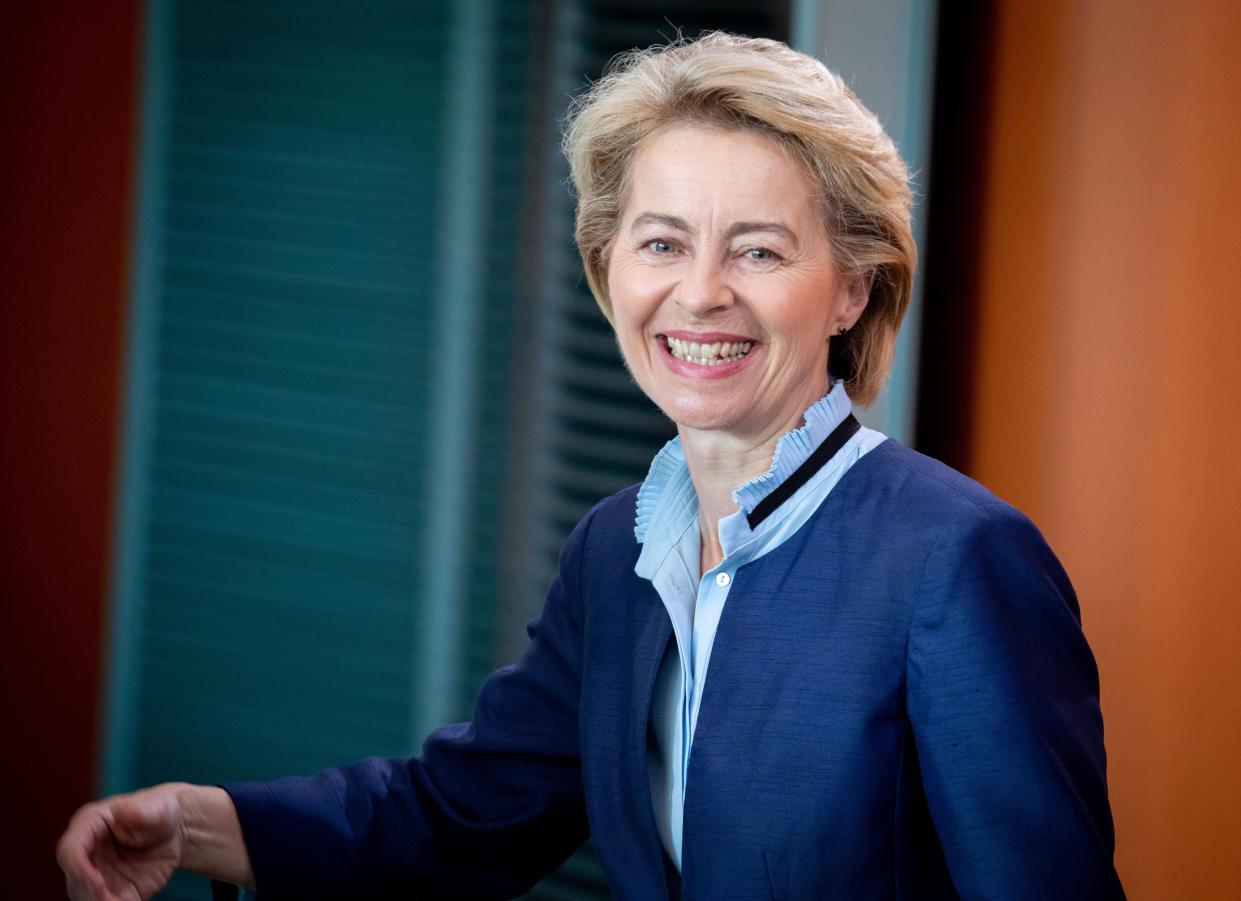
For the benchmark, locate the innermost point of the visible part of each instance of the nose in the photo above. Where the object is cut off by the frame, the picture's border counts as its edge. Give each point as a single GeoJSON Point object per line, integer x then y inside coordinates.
{"type": "Point", "coordinates": [704, 290]}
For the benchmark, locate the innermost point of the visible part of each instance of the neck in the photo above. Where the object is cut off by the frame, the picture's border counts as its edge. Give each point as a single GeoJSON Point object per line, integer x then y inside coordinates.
{"type": "Point", "coordinates": [719, 462]}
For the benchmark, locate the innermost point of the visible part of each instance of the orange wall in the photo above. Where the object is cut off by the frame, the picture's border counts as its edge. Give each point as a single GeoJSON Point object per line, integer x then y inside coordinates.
{"type": "Point", "coordinates": [1108, 384]}
{"type": "Point", "coordinates": [66, 88]}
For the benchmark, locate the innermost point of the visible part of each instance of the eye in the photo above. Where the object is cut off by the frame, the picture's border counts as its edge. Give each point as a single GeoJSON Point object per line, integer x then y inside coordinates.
{"type": "Point", "coordinates": [761, 255]}
{"type": "Point", "coordinates": [659, 246]}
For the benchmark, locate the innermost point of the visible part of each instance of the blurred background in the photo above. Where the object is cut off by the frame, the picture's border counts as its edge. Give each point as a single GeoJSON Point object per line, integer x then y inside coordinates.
{"type": "Point", "coordinates": [303, 388]}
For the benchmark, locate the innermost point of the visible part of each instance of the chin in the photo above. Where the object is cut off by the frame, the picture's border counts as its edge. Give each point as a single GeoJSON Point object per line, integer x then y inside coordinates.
{"type": "Point", "coordinates": [692, 416]}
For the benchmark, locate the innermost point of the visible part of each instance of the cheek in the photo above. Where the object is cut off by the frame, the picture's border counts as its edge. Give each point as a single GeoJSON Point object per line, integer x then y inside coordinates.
{"type": "Point", "coordinates": [628, 332]}
{"type": "Point", "coordinates": [628, 348]}
{"type": "Point", "coordinates": [624, 323]}
{"type": "Point", "coordinates": [801, 321]}
{"type": "Point", "coordinates": [634, 303]}
{"type": "Point", "coordinates": [803, 328]}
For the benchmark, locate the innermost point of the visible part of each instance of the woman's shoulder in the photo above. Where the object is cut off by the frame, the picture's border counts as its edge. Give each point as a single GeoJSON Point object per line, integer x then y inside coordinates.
{"type": "Point", "coordinates": [898, 491]}
{"type": "Point", "coordinates": [954, 532]}
{"type": "Point", "coordinates": [899, 475]}
{"type": "Point", "coordinates": [609, 521]}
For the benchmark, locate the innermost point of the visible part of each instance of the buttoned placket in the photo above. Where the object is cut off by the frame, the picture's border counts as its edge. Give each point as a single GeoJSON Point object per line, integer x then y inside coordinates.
{"type": "Point", "coordinates": [713, 590]}
{"type": "Point", "coordinates": [692, 624]}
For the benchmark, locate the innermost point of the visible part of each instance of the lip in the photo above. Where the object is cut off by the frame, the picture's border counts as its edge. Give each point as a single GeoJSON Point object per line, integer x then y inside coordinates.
{"type": "Point", "coordinates": [696, 371]}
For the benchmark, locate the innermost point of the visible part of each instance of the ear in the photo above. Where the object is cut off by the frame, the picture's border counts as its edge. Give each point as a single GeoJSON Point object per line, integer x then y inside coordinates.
{"type": "Point", "coordinates": [856, 297]}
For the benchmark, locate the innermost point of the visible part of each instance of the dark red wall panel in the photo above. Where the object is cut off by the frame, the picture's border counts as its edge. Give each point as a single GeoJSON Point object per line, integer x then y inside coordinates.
{"type": "Point", "coordinates": [68, 76]}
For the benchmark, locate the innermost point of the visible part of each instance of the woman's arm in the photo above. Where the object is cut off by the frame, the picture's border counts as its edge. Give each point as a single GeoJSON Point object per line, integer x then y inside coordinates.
{"type": "Point", "coordinates": [129, 845]}
{"type": "Point", "coordinates": [1003, 697]}
{"type": "Point", "coordinates": [490, 807]}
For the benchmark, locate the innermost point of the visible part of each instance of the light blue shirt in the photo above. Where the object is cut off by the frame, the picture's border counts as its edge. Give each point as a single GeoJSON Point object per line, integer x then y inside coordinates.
{"type": "Point", "coordinates": [667, 528]}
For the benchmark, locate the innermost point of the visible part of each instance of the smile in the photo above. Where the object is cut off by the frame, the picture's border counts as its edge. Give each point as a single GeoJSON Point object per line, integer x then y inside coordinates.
{"type": "Point", "coordinates": [716, 354]}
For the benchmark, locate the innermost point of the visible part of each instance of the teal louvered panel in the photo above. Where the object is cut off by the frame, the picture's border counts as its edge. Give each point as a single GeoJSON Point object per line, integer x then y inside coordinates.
{"type": "Point", "coordinates": [272, 590]}
{"type": "Point", "coordinates": [286, 498]}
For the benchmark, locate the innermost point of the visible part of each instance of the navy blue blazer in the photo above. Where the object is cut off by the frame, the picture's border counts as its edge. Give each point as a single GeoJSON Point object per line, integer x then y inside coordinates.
{"type": "Point", "coordinates": [900, 704]}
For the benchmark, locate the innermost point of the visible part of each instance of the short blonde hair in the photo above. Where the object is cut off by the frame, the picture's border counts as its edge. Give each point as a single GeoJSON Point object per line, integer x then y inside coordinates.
{"type": "Point", "coordinates": [727, 81]}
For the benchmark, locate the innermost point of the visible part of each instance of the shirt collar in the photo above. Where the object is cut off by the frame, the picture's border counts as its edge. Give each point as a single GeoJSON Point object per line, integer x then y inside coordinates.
{"type": "Point", "coordinates": [667, 503]}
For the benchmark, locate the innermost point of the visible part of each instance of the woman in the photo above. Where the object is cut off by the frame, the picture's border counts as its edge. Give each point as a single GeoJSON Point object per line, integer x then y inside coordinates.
{"type": "Point", "coordinates": [877, 665]}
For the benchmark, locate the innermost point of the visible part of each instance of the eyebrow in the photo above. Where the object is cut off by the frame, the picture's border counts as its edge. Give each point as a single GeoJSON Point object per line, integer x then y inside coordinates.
{"type": "Point", "coordinates": [737, 228]}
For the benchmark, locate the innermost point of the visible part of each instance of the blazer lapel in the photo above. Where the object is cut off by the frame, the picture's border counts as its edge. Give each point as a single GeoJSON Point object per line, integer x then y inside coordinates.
{"type": "Point", "coordinates": [653, 631]}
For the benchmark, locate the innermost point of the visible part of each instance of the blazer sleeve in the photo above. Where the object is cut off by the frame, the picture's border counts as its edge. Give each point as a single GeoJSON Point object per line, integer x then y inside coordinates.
{"type": "Point", "coordinates": [1003, 700]}
{"type": "Point", "coordinates": [489, 807]}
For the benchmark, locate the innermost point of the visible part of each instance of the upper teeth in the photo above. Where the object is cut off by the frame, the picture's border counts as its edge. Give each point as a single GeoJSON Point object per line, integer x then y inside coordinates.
{"type": "Point", "coordinates": [708, 354]}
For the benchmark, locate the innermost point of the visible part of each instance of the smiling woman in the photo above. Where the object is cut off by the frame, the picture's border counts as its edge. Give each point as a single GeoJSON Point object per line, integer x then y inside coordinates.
{"type": "Point", "coordinates": [797, 661]}
{"type": "Point", "coordinates": [828, 149]}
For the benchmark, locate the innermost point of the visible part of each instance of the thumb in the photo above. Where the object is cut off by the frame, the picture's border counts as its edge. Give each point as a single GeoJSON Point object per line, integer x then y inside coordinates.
{"type": "Point", "coordinates": [142, 819]}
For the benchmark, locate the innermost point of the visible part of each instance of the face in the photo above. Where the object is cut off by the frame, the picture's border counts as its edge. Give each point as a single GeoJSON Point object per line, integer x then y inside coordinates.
{"type": "Point", "coordinates": [723, 287]}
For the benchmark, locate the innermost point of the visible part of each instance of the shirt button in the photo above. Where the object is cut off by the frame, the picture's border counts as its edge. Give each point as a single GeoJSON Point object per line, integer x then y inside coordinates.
{"type": "Point", "coordinates": [722, 579]}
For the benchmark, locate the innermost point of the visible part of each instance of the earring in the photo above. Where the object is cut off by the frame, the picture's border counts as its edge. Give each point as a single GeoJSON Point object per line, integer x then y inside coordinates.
{"type": "Point", "coordinates": [841, 330]}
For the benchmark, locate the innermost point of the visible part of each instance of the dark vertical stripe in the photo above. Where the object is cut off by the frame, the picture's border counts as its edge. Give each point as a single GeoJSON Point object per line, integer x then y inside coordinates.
{"type": "Point", "coordinates": [951, 299]}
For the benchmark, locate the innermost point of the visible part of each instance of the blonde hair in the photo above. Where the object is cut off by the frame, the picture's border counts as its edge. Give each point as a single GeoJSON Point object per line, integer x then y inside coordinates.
{"type": "Point", "coordinates": [727, 81]}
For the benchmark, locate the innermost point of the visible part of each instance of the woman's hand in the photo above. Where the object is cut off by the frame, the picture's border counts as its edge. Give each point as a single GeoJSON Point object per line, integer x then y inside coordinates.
{"type": "Point", "coordinates": [125, 848]}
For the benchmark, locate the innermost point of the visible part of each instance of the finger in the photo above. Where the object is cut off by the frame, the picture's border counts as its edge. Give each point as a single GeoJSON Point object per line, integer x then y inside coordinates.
{"type": "Point", "coordinates": [86, 887]}
{"type": "Point", "coordinates": [75, 888]}
{"type": "Point", "coordinates": [78, 843]}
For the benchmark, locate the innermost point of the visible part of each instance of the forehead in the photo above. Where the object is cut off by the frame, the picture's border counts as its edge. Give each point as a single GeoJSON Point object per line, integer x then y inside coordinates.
{"type": "Point", "coordinates": [693, 171]}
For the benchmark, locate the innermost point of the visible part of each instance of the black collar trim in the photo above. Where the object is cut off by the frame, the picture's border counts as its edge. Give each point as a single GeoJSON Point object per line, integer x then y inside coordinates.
{"type": "Point", "coordinates": [801, 475]}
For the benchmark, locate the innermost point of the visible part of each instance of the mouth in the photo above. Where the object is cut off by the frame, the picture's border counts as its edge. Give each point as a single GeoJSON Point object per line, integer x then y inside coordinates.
{"type": "Point", "coordinates": [708, 352]}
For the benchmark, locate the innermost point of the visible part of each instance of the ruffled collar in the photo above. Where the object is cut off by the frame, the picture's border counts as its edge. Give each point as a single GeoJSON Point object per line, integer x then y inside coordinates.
{"type": "Point", "coordinates": [667, 498]}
